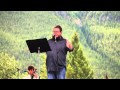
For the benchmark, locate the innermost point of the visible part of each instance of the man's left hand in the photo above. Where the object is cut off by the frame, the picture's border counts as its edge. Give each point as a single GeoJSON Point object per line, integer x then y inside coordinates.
{"type": "Point", "coordinates": [69, 45]}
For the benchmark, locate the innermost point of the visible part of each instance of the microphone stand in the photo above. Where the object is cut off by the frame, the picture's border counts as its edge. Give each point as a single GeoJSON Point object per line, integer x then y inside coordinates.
{"type": "Point", "coordinates": [39, 62]}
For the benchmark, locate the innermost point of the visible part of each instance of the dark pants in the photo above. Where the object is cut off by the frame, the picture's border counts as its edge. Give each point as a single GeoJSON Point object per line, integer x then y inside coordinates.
{"type": "Point", "coordinates": [57, 75]}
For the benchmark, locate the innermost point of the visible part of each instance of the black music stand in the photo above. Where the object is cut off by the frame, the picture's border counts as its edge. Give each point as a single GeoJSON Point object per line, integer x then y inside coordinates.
{"type": "Point", "coordinates": [38, 46]}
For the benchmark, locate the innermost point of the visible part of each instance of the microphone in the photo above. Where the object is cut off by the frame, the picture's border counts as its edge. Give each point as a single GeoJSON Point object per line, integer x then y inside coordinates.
{"type": "Point", "coordinates": [55, 38]}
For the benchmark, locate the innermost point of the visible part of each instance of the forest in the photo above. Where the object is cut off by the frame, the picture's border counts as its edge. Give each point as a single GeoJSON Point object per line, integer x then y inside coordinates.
{"type": "Point", "coordinates": [95, 36]}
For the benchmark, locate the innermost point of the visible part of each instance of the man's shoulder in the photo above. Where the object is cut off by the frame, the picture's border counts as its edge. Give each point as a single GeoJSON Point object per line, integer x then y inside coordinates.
{"type": "Point", "coordinates": [63, 39]}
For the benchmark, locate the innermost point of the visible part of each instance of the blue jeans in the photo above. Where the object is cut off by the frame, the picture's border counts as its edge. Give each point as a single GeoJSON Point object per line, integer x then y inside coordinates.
{"type": "Point", "coordinates": [57, 75]}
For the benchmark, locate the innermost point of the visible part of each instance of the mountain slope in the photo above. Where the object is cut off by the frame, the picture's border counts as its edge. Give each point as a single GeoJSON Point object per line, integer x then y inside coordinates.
{"type": "Point", "coordinates": [100, 38]}
{"type": "Point", "coordinates": [18, 26]}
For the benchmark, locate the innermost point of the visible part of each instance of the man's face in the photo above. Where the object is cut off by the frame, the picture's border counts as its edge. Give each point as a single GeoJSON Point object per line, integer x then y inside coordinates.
{"type": "Point", "coordinates": [56, 32]}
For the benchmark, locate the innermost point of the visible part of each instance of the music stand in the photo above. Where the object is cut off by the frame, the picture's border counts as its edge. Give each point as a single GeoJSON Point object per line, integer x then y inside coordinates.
{"type": "Point", "coordinates": [38, 46]}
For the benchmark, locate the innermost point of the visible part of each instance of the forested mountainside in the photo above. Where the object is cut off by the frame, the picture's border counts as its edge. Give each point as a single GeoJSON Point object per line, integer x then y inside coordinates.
{"type": "Point", "coordinates": [99, 35]}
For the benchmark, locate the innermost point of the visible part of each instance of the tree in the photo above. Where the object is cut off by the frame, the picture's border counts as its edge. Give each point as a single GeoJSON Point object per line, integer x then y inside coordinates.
{"type": "Point", "coordinates": [8, 66]}
{"type": "Point", "coordinates": [77, 66]}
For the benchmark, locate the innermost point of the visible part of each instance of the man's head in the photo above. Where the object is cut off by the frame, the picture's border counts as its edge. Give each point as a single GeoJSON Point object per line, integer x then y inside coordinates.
{"type": "Point", "coordinates": [57, 31]}
{"type": "Point", "coordinates": [31, 70]}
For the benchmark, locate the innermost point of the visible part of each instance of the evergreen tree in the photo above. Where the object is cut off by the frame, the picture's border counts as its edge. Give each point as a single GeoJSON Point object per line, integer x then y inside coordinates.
{"type": "Point", "coordinates": [8, 66]}
{"type": "Point", "coordinates": [78, 67]}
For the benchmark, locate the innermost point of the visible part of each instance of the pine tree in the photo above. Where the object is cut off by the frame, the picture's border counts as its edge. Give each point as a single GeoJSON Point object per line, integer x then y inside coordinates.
{"type": "Point", "coordinates": [77, 66]}
{"type": "Point", "coordinates": [8, 66]}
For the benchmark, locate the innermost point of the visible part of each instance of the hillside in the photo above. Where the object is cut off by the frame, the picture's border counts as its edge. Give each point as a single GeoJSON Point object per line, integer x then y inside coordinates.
{"type": "Point", "coordinates": [99, 33]}
{"type": "Point", "coordinates": [18, 26]}
{"type": "Point", "coordinates": [100, 38]}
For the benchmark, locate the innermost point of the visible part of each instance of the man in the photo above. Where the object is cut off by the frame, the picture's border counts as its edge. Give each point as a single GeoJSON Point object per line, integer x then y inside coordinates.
{"type": "Point", "coordinates": [32, 73]}
{"type": "Point", "coordinates": [56, 58]}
